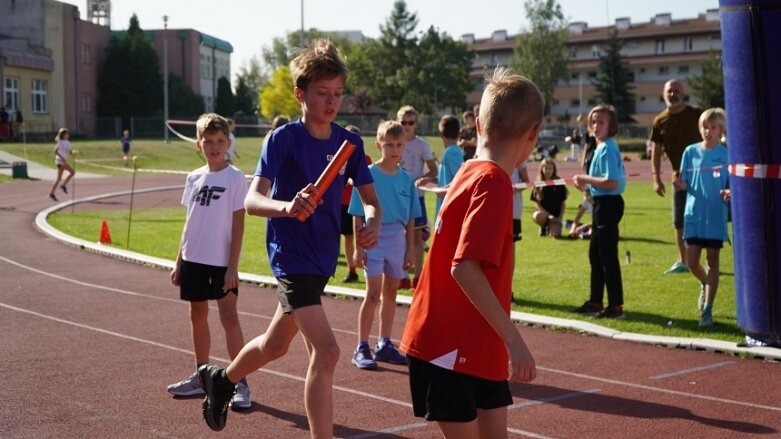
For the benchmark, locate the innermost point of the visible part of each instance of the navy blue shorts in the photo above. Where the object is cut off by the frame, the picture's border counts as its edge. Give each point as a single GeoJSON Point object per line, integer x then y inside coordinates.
{"type": "Point", "coordinates": [422, 220]}
{"type": "Point", "coordinates": [704, 243]}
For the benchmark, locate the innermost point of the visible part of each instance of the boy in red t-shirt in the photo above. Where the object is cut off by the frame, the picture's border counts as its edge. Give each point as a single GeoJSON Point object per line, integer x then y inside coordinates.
{"type": "Point", "coordinates": [459, 339]}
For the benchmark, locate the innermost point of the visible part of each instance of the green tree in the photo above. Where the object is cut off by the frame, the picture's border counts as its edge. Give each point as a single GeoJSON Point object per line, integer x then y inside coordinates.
{"type": "Point", "coordinates": [129, 81]}
{"type": "Point", "coordinates": [249, 82]}
{"type": "Point", "coordinates": [183, 102]}
{"type": "Point", "coordinates": [399, 68]}
{"type": "Point", "coordinates": [540, 53]}
{"type": "Point", "coordinates": [225, 104]}
{"type": "Point", "coordinates": [277, 96]}
{"type": "Point", "coordinates": [614, 79]}
{"type": "Point", "coordinates": [708, 87]}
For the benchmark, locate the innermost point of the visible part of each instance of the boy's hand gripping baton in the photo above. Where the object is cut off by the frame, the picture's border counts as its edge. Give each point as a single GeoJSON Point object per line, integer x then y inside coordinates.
{"type": "Point", "coordinates": [329, 173]}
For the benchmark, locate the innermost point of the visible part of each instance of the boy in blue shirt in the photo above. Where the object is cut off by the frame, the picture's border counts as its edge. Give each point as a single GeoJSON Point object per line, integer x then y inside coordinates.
{"type": "Point", "coordinates": [452, 157]}
{"type": "Point", "coordinates": [302, 254]}
{"type": "Point", "coordinates": [387, 263]}
{"type": "Point", "coordinates": [606, 180]}
{"type": "Point", "coordinates": [704, 176]}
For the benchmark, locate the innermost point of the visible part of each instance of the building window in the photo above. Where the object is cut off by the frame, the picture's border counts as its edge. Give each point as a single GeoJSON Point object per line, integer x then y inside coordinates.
{"type": "Point", "coordinates": [683, 69]}
{"type": "Point", "coordinates": [659, 47]}
{"type": "Point", "coordinates": [595, 51]}
{"type": "Point", "coordinates": [85, 54]}
{"type": "Point", "coordinates": [11, 94]}
{"type": "Point", "coordinates": [575, 103]}
{"type": "Point", "coordinates": [592, 74]}
{"type": "Point", "coordinates": [592, 102]}
{"type": "Point", "coordinates": [494, 60]}
{"type": "Point", "coordinates": [642, 98]}
{"type": "Point", "coordinates": [86, 103]}
{"type": "Point", "coordinates": [40, 96]}
{"type": "Point", "coordinates": [663, 70]}
{"type": "Point", "coordinates": [687, 44]}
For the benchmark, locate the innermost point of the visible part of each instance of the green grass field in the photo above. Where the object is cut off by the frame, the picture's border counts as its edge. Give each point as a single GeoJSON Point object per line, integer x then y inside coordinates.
{"type": "Point", "coordinates": [551, 277]}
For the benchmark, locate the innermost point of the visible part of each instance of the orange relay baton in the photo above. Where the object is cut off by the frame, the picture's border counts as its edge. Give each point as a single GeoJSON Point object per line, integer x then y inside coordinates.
{"type": "Point", "coordinates": [329, 173]}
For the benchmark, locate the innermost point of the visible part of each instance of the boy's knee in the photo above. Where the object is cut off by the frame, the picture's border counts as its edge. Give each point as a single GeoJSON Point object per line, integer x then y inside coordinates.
{"type": "Point", "coordinates": [326, 357]}
{"type": "Point", "coordinates": [275, 347]}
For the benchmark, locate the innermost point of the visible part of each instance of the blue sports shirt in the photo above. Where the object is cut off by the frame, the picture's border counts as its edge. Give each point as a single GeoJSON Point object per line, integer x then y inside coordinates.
{"type": "Point", "coordinates": [397, 195]}
{"type": "Point", "coordinates": [705, 173]}
{"type": "Point", "coordinates": [607, 163]}
{"type": "Point", "coordinates": [291, 159]}
{"type": "Point", "coordinates": [452, 159]}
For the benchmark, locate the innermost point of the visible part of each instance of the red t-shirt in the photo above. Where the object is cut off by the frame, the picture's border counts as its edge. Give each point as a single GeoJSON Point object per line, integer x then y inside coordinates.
{"type": "Point", "coordinates": [474, 223]}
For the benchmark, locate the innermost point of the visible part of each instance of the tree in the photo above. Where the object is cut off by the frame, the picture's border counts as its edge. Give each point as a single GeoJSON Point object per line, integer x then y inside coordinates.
{"type": "Point", "coordinates": [399, 69]}
{"type": "Point", "coordinates": [225, 104]}
{"type": "Point", "coordinates": [129, 82]}
{"type": "Point", "coordinates": [708, 88]}
{"type": "Point", "coordinates": [277, 97]}
{"type": "Point", "coordinates": [614, 80]}
{"type": "Point", "coordinates": [283, 50]}
{"type": "Point", "coordinates": [541, 54]}
{"type": "Point", "coordinates": [183, 102]}
{"type": "Point", "coordinates": [249, 82]}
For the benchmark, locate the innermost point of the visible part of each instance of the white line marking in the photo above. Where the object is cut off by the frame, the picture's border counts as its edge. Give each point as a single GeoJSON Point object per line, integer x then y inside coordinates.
{"type": "Point", "coordinates": [396, 429]}
{"type": "Point", "coordinates": [661, 390]}
{"type": "Point", "coordinates": [528, 433]}
{"type": "Point", "coordinates": [553, 398]}
{"type": "Point", "coordinates": [693, 369]}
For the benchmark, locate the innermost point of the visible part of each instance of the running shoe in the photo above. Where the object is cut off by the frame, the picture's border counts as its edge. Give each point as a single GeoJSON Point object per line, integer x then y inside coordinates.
{"type": "Point", "coordinates": [219, 391]}
{"type": "Point", "coordinates": [612, 312]}
{"type": "Point", "coordinates": [678, 267]}
{"type": "Point", "coordinates": [241, 399]}
{"type": "Point", "coordinates": [187, 387]}
{"type": "Point", "coordinates": [53, 197]}
{"type": "Point", "coordinates": [389, 354]}
{"type": "Point", "coordinates": [362, 357]}
{"type": "Point", "coordinates": [64, 189]}
{"type": "Point", "coordinates": [706, 319]}
{"type": "Point", "coordinates": [589, 308]}
{"type": "Point", "coordinates": [351, 277]}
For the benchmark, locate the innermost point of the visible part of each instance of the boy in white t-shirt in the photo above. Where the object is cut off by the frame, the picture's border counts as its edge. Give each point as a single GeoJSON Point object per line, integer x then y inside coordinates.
{"type": "Point", "coordinates": [208, 259]}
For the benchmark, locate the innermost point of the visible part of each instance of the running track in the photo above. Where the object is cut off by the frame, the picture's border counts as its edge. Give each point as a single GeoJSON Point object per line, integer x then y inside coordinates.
{"type": "Point", "coordinates": [89, 343]}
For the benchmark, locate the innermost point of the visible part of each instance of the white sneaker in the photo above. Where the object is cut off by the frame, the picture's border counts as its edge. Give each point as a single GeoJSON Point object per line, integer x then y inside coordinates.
{"type": "Point", "coordinates": [187, 387]}
{"type": "Point", "coordinates": [241, 399]}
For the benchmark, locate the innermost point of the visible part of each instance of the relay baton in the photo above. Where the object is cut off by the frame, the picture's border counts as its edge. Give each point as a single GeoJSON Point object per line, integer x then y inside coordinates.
{"type": "Point", "coordinates": [329, 173]}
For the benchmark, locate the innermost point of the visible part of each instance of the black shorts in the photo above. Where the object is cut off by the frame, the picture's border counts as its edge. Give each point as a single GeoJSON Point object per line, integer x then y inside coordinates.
{"type": "Point", "coordinates": [446, 396]}
{"type": "Point", "coordinates": [199, 282]}
{"type": "Point", "coordinates": [299, 290]}
{"type": "Point", "coordinates": [705, 243]}
{"type": "Point", "coordinates": [679, 205]}
{"type": "Point", "coordinates": [517, 230]}
{"type": "Point", "coordinates": [347, 222]}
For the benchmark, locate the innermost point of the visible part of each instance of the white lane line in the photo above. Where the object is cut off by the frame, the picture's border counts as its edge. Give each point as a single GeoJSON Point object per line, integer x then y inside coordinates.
{"type": "Point", "coordinates": [693, 369]}
{"type": "Point", "coordinates": [528, 433]}
{"type": "Point", "coordinates": [554, 398]}
{"type": "Point", "coordinates": [189, 352]}
{"type": "Point", "coordinates": [547, 369]}
{"type": "Point", "coordinates": [661, 390]}
{"type": "Point", "coordinates": [391, 430]}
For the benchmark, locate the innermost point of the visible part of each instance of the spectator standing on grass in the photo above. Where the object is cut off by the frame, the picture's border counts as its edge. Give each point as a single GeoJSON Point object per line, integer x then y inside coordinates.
{"type": "Point", "coordinates": [606, 181]}
{"type": "Point", "coordinates": [207, 263]}
{"type": "Point", "coordinates": [467, 136]}
{"type": "Point", "coordinates": [461, 346]}
{"type": "Point", "coordinates": [419, 162]}
{"type": "Point", "coordinates": [62, 151]}
{"type": "Point", "coordinates": [703, 180]}
{"type": "Point", "coordinates": [302, 254]}
{"type": "Point", "coordinates": [387, 263]}
{"type": "Point", "coordinates": [675, 128]}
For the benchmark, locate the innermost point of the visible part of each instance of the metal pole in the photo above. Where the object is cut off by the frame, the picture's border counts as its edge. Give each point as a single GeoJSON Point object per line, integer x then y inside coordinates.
{"type": "Point", "coordinates": [132, 193]}
{"type": "Point", "coordinates": [73, 186]}
{"type": "Point", "coordinates": [302, 24]}
{"type": "Point", "coordinates": [165, 79]}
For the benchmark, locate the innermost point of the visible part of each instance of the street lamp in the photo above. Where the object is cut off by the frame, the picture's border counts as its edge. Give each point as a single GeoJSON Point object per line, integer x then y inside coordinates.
{"type": "Point", "coordinates": [165, 79]}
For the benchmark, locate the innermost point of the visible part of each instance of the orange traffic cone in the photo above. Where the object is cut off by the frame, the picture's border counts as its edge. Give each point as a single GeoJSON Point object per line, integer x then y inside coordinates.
{"type": "Point", "coordinates": [105, 235]}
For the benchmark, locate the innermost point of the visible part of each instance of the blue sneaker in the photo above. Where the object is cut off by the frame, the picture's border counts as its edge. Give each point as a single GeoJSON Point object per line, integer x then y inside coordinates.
{"type": "Point", "coordinates": [362, 357]}
{"type": "Point", "coordinates": [389, 354]}
{"type": "Point", "coordinates": [678, 267]}
{"type": "Point", "coordinates": [706, 318]}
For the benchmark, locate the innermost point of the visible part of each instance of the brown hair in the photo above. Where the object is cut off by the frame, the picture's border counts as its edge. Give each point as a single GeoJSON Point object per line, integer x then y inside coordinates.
{"type": "Point", "coordinates": [60, 133]}
{"type": "Point", "coordinates": [320, 60]}
{"type": "Point", "coordinates": [612, 118]}
{"type": "Point", "coordinates": [389, 128]}
{"type": "Point", "coordinates": [211, 122]}
{"type": "Point", "coordinates": [511, 106]}
{"type": "Point", "coordinates": [449, 126]}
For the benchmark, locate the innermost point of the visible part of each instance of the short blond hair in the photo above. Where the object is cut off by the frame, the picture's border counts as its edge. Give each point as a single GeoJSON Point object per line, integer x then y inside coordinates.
{"type": "Point", "coordinates": [511, 106]}
{"type": "Point", "coordinates": [389, 128]}
{"type": "Point", "coordinates": [320, 60]}
{"type": "Point", "coordinates": [715, 116]}
{"type": "Point", "coordinates": [407, 110]}
{"type": "Point", "coordinates": [211, 122]}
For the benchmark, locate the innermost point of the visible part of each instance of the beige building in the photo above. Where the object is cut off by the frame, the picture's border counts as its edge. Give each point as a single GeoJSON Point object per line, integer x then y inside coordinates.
{"type": "Point", "coordinates": [656, 51]}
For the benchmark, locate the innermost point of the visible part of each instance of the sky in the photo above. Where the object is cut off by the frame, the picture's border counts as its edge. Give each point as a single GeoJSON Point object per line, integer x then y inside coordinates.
{"type": "Point", "coordinates": [250, 25]}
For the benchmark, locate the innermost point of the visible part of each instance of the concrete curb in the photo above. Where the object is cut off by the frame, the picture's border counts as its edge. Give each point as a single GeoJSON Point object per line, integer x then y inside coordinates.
{"type": "Point", "coordinates": [767, 353]}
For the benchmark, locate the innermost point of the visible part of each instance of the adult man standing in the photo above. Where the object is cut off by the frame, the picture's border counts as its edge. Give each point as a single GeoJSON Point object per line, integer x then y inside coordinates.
{"type": "Point", "coordinates": [675, 128]}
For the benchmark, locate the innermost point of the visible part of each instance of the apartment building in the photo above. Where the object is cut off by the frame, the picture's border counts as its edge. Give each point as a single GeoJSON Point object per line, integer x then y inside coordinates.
{"type": "Point", "coordinates": [656, 51]}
